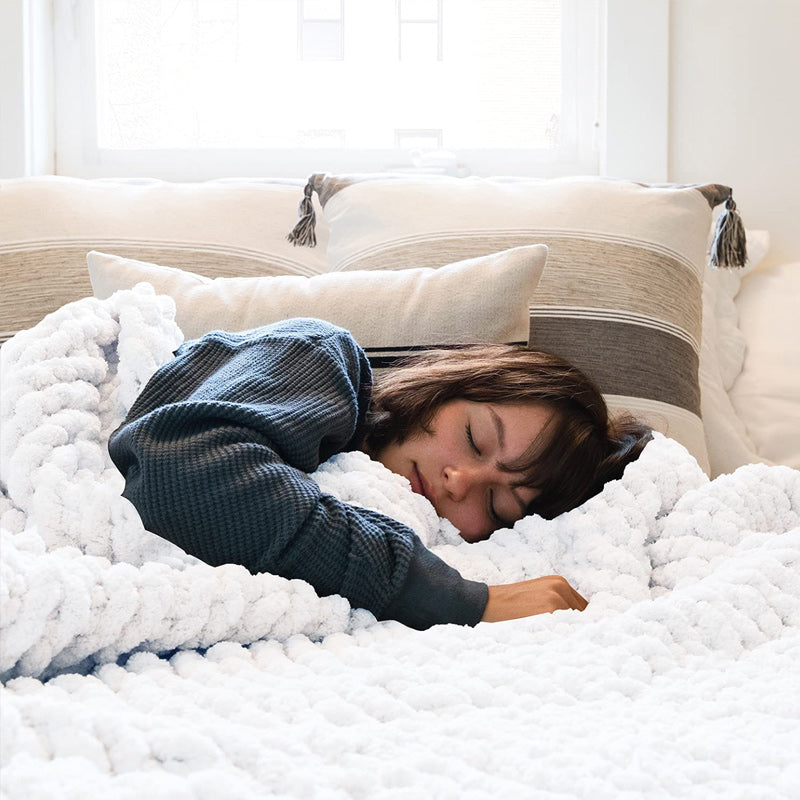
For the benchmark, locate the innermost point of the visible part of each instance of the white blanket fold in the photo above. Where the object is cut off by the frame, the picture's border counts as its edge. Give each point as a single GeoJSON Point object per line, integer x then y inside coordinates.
{"type": "Point", "coordinates": [83, 580]}
{"type": "Point", "coordinates": [688, 580]}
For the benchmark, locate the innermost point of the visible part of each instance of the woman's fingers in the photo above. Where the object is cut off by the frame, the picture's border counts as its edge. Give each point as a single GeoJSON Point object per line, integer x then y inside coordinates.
{"type": "Point", "coordinates": [572, 597]}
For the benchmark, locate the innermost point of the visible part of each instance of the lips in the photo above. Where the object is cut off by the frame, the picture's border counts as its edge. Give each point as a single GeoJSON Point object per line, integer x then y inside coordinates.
{"type": "Point", "coordinates": [419, 484]}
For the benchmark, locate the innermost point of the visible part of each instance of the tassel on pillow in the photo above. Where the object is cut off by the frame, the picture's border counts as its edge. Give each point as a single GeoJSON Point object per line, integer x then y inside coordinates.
{"type": "Point", "coordinates": [304, 233]}
{"type": "Point", "coordinates": [729, 247]}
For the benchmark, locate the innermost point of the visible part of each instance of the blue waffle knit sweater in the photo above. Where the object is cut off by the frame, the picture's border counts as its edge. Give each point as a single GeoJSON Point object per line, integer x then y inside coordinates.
{"type": "Point", "coordinates": [216, 453]}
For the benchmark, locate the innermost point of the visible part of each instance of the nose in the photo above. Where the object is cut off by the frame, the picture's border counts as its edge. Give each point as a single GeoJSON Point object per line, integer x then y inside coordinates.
{"type": "Point", "coordinates": [460, 481]}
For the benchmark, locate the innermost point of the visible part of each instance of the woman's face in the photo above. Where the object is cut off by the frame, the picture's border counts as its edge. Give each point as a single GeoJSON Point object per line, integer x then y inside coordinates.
{"type": "Point", "coordinates": [457, 464]}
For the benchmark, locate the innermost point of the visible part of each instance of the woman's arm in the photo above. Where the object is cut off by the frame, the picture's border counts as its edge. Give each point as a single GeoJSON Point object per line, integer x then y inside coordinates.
{"type": "Point", "coordinates": [527, 598]}
{"type": "Point", "coordinates": [216, 451]}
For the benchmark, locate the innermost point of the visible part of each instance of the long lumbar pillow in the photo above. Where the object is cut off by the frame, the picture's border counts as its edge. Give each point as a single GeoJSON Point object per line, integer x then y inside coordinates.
{"type": "Point", "coordinates": [390, 313]}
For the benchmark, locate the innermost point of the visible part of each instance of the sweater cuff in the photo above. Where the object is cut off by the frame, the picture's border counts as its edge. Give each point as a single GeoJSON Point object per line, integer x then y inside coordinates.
{"type": "Point", "coordinates": [435, 594]}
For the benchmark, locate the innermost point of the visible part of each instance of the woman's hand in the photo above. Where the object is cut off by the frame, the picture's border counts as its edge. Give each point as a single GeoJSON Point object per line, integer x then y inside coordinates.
{"type": "Point", "coordinates": [526, 598]}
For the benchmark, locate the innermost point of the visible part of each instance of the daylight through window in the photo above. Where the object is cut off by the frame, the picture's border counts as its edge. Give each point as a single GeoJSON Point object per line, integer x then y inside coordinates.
{"type": "Point", "coordinates": [466, 76]}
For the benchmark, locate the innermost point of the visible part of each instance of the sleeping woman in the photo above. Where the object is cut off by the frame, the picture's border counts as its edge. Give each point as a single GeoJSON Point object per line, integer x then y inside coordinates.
{"type": "Point", "coordinates": [217, 449]}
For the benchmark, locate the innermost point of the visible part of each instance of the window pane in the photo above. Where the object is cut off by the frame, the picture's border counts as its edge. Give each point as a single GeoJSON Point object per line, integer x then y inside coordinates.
{"type": "Point", "coordinates": [322, 41]}
{"type": "Point", "coordinates": [211, 9]}
{"type": "Point", "coordinates": [187, 74]}
{"type": "Point", "coordinates": [322, 9]}
{"type": "Point", "coordinates": [322, 138]}
{"type": "Point", "coordinates": [418, 140]}
{"type": "Point", "coordinates": [419, 9]}
{"type": "Point", "coordinates": [419, 41]}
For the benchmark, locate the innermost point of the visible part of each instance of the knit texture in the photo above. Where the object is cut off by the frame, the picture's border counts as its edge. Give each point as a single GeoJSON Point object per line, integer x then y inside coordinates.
{"type": "Point", "coordinates": [215, 453]}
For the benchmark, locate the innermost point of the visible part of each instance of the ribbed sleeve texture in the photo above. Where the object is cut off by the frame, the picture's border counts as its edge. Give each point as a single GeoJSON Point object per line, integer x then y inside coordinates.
{"type": "Point", "coordinates": [215, 453]}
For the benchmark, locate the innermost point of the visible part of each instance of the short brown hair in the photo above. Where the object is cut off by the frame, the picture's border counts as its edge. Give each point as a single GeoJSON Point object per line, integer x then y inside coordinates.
{"type": "Point", "coordinates": [578, 452]}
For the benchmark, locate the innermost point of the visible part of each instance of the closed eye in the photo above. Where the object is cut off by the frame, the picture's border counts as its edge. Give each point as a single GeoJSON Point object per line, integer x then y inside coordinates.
{"type": "Point", "coordinates": [493, 515]}
{"type": "Point", "coordinates": [471, 441]}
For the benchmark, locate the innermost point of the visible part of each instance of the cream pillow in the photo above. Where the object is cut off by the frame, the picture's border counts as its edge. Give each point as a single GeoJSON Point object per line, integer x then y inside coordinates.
{"type": "Point", "coordinates": [622, 293]}
{"type": "Point", "coordinates": [391, 314]}
{"type": "Point", "coordinates": [221, 227]}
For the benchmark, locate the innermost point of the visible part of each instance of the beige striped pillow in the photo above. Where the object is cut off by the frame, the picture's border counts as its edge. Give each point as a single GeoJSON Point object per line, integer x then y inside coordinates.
{"type": "Point", "coordinates": [223, 227]}
{"type": "Point", "coordinates": [621, 296]}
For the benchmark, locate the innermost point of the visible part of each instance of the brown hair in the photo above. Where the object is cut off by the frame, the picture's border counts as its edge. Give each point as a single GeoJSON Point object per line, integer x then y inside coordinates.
{"type": "Point", "coordinates": [580, 449]}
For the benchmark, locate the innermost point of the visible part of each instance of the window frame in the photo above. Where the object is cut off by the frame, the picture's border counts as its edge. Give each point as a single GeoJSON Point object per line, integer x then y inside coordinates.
{"type": "Point", "coordinates": [404, 21]}
{"type": "Point", "coordinates": [27, 101]}
{"type": "Point", "coordinates": [635, 101]}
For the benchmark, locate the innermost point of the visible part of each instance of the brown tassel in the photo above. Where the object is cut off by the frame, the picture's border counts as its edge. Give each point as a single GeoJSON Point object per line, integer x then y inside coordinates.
{"type": "Point", "coordinates": [729, 248]}
{"type": "Point", "coordinates": [304, 234]}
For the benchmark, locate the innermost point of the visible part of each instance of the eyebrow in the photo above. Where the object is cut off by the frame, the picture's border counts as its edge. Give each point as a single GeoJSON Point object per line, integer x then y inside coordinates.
{"type": "Point", "coordinates": [499, 427]}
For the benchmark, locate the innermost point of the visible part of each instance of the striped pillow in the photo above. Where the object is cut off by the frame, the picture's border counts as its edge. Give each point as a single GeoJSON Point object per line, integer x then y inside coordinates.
{"type": "Point", "coordinates": [622, 293]}
{"type": "Point", "coordinates": [224, 227]}
{"type": "Point", "coordinates": [391, 314]}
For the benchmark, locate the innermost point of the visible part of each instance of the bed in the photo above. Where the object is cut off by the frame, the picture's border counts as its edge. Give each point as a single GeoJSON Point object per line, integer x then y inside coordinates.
{"type": "Point", "coordinates": [130, 669]}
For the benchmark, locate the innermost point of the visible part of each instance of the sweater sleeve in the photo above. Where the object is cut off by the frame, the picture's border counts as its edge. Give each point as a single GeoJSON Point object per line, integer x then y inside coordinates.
{"type": "Point", "coordinates": [215, 454]}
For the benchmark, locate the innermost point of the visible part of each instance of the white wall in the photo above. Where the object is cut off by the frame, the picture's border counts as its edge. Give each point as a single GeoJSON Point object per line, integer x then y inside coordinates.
{"type": "Point", "coordinates": [734, 108]}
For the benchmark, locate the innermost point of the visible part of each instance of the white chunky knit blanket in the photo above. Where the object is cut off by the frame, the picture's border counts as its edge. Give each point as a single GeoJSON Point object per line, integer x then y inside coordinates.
{"type": "Point", "coordinates": [131, 670]}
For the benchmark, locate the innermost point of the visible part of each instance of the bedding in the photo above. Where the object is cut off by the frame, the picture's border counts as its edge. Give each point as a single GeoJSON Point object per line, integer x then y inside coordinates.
{"type": "Point", "coordinates": [130, 669]}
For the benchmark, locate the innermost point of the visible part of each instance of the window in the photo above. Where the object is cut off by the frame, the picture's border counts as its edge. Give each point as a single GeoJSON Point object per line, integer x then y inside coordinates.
{"type": "Point", "coordinates": [413, 140]}
{"type": "Point", "coordinates": [321, 30]}
{"type": "Point", "coordinates": [419, 30]}
{"type": "Point", "coordinates": [190, 89]}
{"type": "Point", "coordinates": [322, 137]}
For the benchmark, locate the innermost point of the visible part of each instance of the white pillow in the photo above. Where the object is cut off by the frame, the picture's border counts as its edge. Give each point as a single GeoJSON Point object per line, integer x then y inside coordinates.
{"type": "Point", "coordinates": [389, 313]}
{"type": "Point", "coordinates": [766, 395]}
{"type": "Point", "coordinates": [729, 342]}
{"type": "Point", "coordinates": [722, 357]}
